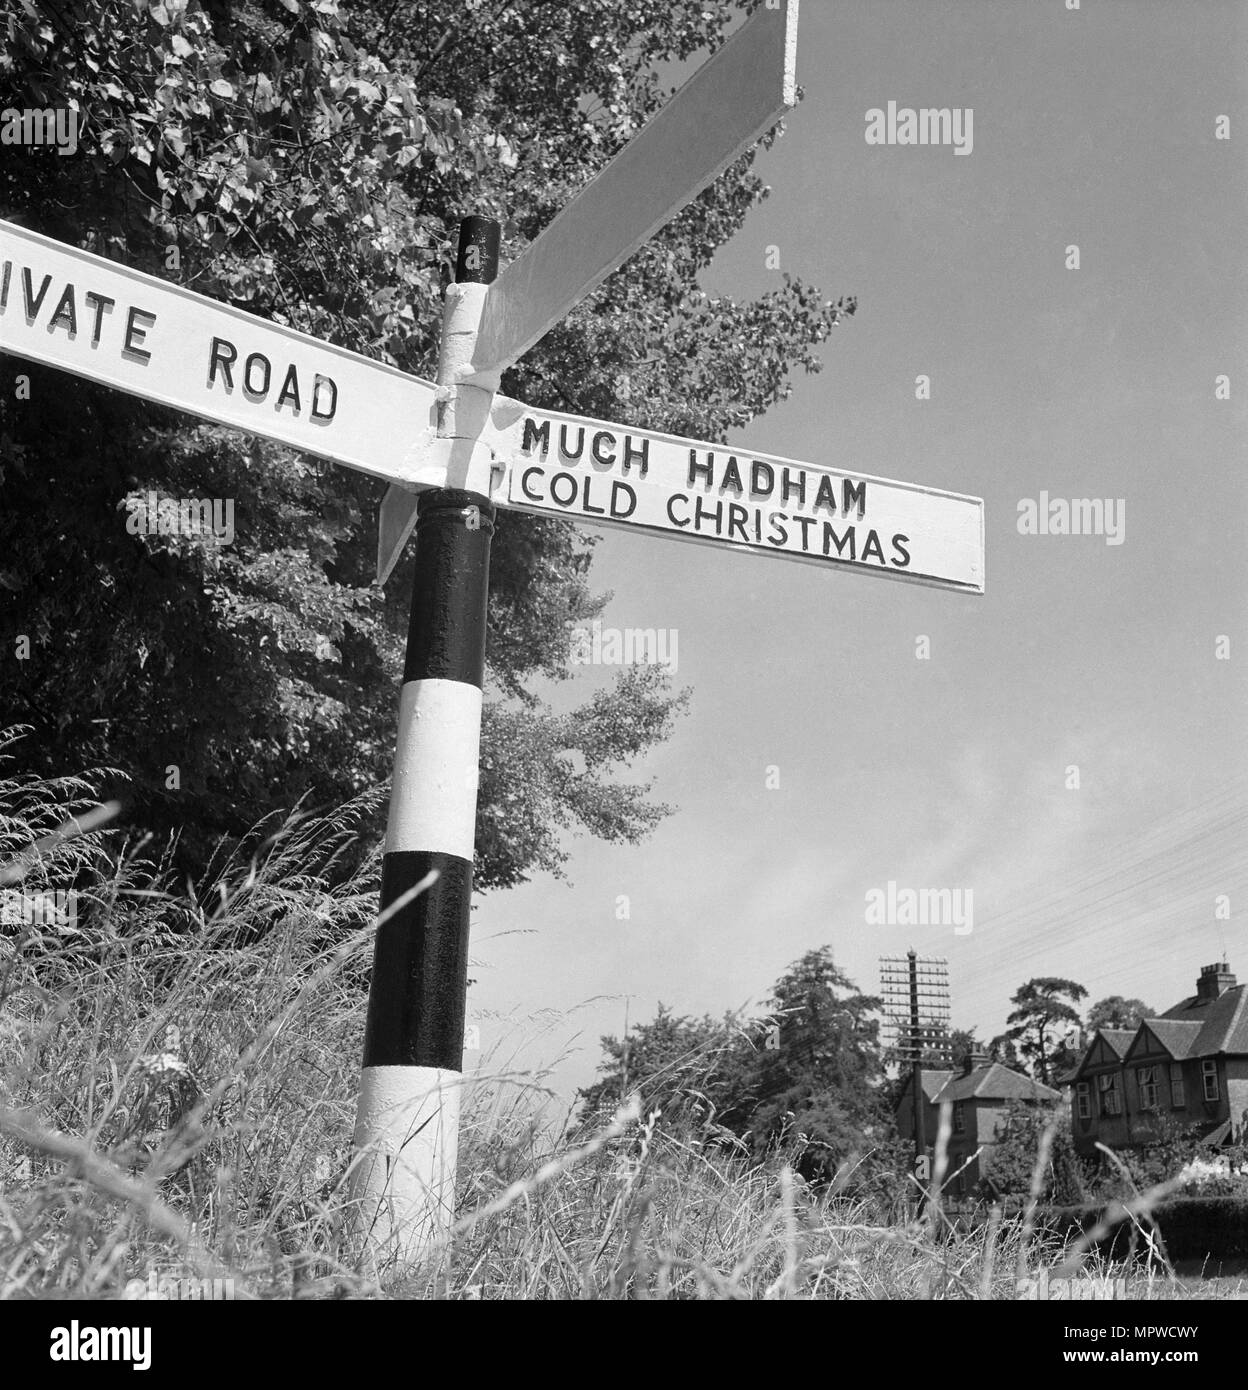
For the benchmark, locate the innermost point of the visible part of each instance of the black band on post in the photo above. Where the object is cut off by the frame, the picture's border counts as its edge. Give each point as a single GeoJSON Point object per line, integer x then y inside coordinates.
{"type": "Point", "coordinates": [450, 588]}
{"type": "Point", "coordinates": [477, 260]}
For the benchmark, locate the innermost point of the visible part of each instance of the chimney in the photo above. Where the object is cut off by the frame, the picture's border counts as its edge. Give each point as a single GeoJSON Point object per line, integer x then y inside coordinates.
{"type": "Point", "coordinates": [973, 1061]}
{"type": "Point", "coordinates": [1214, 981]}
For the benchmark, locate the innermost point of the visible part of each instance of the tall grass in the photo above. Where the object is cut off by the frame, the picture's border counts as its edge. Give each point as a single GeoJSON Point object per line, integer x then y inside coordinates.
{"type": "Point", "coordinates": [177, 1092]}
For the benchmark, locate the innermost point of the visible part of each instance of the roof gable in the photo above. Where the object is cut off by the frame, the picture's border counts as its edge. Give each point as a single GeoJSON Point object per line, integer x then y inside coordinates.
{"type": "Point", "coordinates": [933, 1080]}
{"type": "Point", "coordinates": [1169, 1037]}
{"type": "Point", "coordinates": [1107, 1049]}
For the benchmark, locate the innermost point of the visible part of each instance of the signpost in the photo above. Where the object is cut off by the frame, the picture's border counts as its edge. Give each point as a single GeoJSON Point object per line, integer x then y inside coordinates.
{"type": "Point", "coordinates": [90, 316]}
{"type": "Point", "coordinates": [452, 453]}
{"type": "Point", "coordinates": [618, 475]}
{"type": "Point", "coordinates": [735, 97]}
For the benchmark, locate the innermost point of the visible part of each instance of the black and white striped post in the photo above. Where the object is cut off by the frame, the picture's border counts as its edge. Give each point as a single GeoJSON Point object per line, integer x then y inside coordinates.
{"type": "Point", "coordinates": [407, 1122]}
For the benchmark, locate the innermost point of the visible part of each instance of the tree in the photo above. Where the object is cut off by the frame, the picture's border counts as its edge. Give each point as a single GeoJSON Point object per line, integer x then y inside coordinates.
{"type": "Point", "coordinates": [962, 1043]}
{"type": "Point", "coordinates": [803, 1080]}
{"type": "Point", "coordinates": [811, 1087]}
{"type": "Point", "coordinates": [674, 1063]}
{"type": "Point", "coordinates": [1117, 1012]}
{"type": "Point", "coordinates": [1043, 1009]}
{"type": "Point", "coordinates": [311, 169]}
{"type": "Point", "coordinates": [1008, 1166]}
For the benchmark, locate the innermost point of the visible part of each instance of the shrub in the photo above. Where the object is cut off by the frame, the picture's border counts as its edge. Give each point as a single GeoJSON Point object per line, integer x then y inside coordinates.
{"type": "Point", "coordinates": [1192, 1228]}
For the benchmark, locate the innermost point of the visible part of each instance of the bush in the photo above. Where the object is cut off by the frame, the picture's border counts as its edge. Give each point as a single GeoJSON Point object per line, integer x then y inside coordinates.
{"type": "Point", "coordinates": [1192, 1228]}
{"type": "Point", "coordinates": [1008, 1166]}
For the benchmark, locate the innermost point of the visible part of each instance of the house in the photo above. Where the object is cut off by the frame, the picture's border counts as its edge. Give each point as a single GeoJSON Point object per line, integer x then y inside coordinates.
{"type": "Point", "coordinates": [1187, 1069]}
{"type": "Point", "coordinates": [980, 1094]}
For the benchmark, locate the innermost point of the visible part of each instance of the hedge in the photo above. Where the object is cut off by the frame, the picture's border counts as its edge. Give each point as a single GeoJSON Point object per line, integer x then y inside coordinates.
{"type": "Point", "coordinates": [1192, 1227]}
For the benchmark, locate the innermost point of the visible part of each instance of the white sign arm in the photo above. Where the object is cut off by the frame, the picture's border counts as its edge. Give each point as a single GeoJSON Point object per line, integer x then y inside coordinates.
{"type": "Point", "coordinates": [90, 316]}
{"type": "Point", "coordinates": [732, 99]}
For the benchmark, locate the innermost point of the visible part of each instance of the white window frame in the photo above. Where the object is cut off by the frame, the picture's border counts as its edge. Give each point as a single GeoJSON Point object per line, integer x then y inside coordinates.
{"type": "Point", "coordinates": [1083, 1100]}
{"type": "Point", "coordinates": [1178, 1093]}
{"type": "Point", "coordinates": [1146, 1080]}
{"type": "Point", "coordinates": [1209, 1078]}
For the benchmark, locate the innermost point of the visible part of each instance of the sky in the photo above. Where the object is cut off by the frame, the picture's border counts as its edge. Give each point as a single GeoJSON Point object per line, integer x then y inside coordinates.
{"type": "Point", "coordinates": [1073, 749]}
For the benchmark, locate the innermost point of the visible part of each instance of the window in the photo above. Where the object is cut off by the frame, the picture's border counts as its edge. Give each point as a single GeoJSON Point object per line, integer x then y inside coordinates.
{"type": "Point", "coordinates": [959, 1118]}
{"type": "Point", "coordinates": [1147, 1079]}
{"type": "Point", "coordinates": [1209, 1076]}
{"type": "Point", "coordinates": [1111, 1101]}
{"type": "Point", "coordinates": [1176, 1086]}
{"type": "Point", "coordinates": [1083, 1101]}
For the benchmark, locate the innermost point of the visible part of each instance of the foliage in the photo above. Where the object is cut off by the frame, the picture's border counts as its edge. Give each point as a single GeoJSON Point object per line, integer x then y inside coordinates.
{"type": "Point", "coordinates": [804, 1080]}
{"type": "Point", "coordinates": [1170, 1146]}
{"type": "Point", "coordinates": [819, 1087]}
{"type": "Point", "coordinates": [310, 167]}
{"type": "Point", "coordinates": [1204, 1229]}
{"type": "Point", "coordinates": [962, 1043]}
{"type": "Point", "coordinates": [1041, 1007]}
{"type": "Point", "coordinates": [673, 1063]}
{"type": "Point", "coordinates": [1117, 1012]}
{"type": "Point", "coordinates": [1009, 1166]}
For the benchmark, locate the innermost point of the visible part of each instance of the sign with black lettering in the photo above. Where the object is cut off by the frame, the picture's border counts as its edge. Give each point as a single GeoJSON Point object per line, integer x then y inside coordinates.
{"type": "Point", "coordinates": [591, 470]}
{"type": "Point", "coordinates": [83, 314]}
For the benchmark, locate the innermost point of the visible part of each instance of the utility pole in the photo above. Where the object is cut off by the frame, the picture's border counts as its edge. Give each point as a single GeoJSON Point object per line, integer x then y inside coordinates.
{"type": "Point", "coordinates": [920, 1119]}
{"type": "Point", "coordinates": [916, 1007]}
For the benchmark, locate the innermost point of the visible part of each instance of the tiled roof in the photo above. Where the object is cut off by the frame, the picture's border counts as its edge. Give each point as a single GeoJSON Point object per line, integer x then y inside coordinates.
{"type": "Point", "coordinates": [1224, 1021]}
{"type": "Point", "coordinates": [1119, 1039]}
{"type": "Point", "coordinates": [1195, 1027]}
{"type": "Point", "coordinates": [995, 1082]}
{"type": "Point", "coordinates": [933, 1081]}
{"type": "Point", "coordinates": [1178, 1036]}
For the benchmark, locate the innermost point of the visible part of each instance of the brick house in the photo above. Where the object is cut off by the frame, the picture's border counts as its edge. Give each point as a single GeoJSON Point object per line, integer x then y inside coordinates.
{"type": "Point", "coordinates": [1188, 1067]}
{"type": "Point", "coordinates": [979, 1093]}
